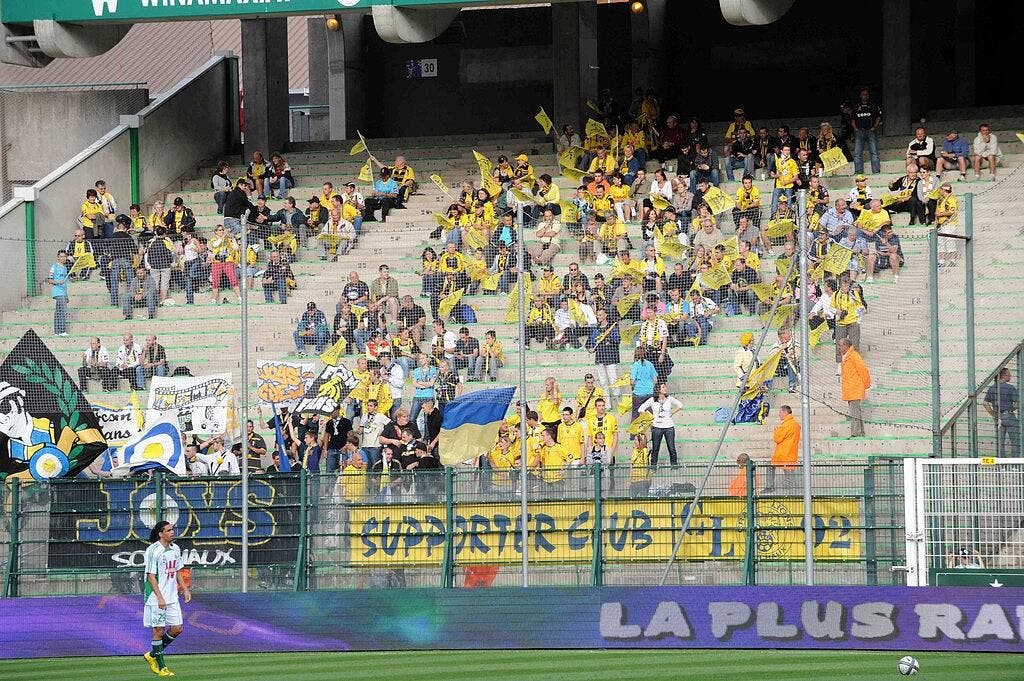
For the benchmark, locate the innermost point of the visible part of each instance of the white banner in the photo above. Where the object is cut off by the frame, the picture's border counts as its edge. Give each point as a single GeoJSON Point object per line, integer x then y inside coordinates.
{"type": "Point", "coordinates": [204, 404]}
{"type": "Point", "coordinates": [119, 424]}
{"type": "Point", "coordinates": [283, 383]}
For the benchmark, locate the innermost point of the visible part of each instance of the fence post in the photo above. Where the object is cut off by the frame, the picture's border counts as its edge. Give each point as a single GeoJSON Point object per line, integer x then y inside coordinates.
{"type": "Point", "coordinates": [870, 549]}
{"type": "Point", "coordinates": [972, 378]}
{"type": "Point", "coordinates": [598, 552]}
{"type": "Point", "coordinates": [1020, 386]}
{"type": "Point", "coordinates": [749, 569]}
{"type": "Point", "coordinates": [449, 529]}
{"type": "Point", "coordinates": [29, 196]}
{"type": "Point", "coordinates": [10, 576]}
{"type": "Point", "coordinates": [300, 554]}
{"type": "Point", "coordinates": [933, 295]}
{"type": "Point", "coordinates": [134, 122]}
{"type": "Point", "coordinates": [158, 508]}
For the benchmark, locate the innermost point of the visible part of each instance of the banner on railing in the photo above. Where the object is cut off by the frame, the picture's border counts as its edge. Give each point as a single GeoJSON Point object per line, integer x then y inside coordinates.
{"type": "Point", "coordinates": [795, 617]}
{"type": "Point", "coordinates": [105, 524]}
{"type": "Point", "coordinates": [283, 383]}
{"type": "Point", "coordinates": [635, 530]}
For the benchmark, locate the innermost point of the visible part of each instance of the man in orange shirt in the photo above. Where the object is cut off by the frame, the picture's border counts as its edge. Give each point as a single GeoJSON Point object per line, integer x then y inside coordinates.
{"type": "Point", "coordinates": [787, 449]}
{"type": "Point", "coordinates": [738, 485]}
{"type": "Point", "coordinates": [855, 380]}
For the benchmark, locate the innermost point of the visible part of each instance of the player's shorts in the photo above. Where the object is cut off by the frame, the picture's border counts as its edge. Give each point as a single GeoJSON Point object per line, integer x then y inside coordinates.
{"type": "Point", "coordinates": [153, 616]}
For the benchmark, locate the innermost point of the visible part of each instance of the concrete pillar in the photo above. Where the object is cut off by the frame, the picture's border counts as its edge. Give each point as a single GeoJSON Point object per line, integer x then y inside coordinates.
{"type": "Point", "coordinates": [573, 61]}
{"type": "Point", "coordinates": [897, 46]}
{"type": "Point", "coordinates": [319, 82]}
{"type": "Point", "coordinates": [647, 30]}
{"type": "Point", "coordinates": [964, 59]}
{"type": "Point", "coordinates": [265, 84]}
{"type": "Point", "coordinates": [344, 69]}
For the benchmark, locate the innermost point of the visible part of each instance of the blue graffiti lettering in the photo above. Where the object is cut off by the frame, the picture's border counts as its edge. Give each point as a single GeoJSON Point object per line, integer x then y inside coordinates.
{"type": "Point", "coordinates": [479, 528]}
{"type": "Point", "coordinates": [578, 539]}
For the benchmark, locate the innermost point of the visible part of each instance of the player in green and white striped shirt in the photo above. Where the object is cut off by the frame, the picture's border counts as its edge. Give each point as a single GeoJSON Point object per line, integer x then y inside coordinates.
{"type": "Point", "coordinates": [163, 580]}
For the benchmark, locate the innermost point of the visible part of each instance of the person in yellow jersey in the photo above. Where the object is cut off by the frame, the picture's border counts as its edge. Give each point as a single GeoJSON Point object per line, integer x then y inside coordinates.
{"type": "Point", "coordinates": [587, 395]}
{"type": "Point", "coordinates": [946, 220]}
{"type": "Point", "coordinates": [640, 468]}
{"type": "Point", "coordinates": [523, 169]}
{"type": "Point", "coordinates": [503, 458]}
{"type": "Point", "coordinates": [93, 215]}
{"type": "Point", "coordinates": [405, 176]}
{"type": "Point", "coordinates": [613, 235]}
{"type": "Point", "coordinates": [549, 287]}
{"type": "Point", "coordinates": [785, 174]}
{"type": "Point", "coordinates": [602, 431]}
{"type": "Point", "coordinates": [572, 435]}
{"type": "Point", "coordinates": [602, 161]}
{"type": "Point", "coordinates": [81, 248]}
{"type": "Point", "coordinates": [551, 458]}
{"type": "Point", "coordinates": [549, 406]}
{"type": "Point", "coordinates": [106, 199]}
{"type": "Point", "coordinates": [748, 202]}
{"type": "Point", "coordinates": [849, 305]}
{"type": "Point", "coordinates": [540, 324]}
{"type": "Point", "coordinates": [352, 479]}
{"type": "Point", "coordinates": [873, 219]}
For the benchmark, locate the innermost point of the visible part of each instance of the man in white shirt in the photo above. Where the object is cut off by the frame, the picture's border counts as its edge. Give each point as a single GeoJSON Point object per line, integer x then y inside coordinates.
{"type": "Point", "coordinates": [370, 428]}
{"type": "Point", "coordinates": [548, 237]}
{"type": "Point", "coordinates": [128, 364]}
{"type": "Point", "coordinates": [986, 150]}
{"type": "Point", "coordinates": [218, 459]}
{"type": "Point", "coordinates": [392, 373]}
{"type": "Point", "coordinates": [444, 339]}
{"type": "Point", "coordinates": [922, 146]}
{"type": "Point", "coordinates": [96, 365]}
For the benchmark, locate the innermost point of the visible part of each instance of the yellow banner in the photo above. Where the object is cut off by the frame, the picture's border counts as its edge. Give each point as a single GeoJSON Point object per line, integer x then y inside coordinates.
{"type": "Point", "coordinates": [570, 156]}
{"type": "Point", "coordinates": [544, 121]}
{"type": "Point", "coordinates": [763, 291]}
{"type": "Point", "coordinates": [718, 201]}
{"type": "Point", "coordinates": [816, 333]}
{"type": "Point", "coordinates": [357, 148]}
{"type": "Point", "coordinates": [483, 163]}
{"type": "Point", "coordinates": [595, 129]}
{"type": "Point", "coordinates": [439, 181]}
{"type": "Point", "coordinates": [573, 174]}
{"type": "Point", "coordinates": [626, 304]}
{"type": "Point", "coordinates": [762, 374]}
{"type": "Point", "coordinates": [779, 228]}
{"type": "Point", "coordinates": [365, 174]}
{"type": "Point", "coordinates": [407, 535]}
{"type": "Point", "coordinates": [832, 160]}
{"type": "Point", "coordinates": [837, 260]}
{"type": "Point", "coordinates": [715, 278]}
{"type": "Point", "coordinates": [449, 303]}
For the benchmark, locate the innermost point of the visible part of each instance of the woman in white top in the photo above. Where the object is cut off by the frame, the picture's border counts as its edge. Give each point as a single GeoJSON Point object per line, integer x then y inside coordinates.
{"type": "Point", "coordinates": [660, 186]}
{"type": "Point", "coordinates": [664, 407]}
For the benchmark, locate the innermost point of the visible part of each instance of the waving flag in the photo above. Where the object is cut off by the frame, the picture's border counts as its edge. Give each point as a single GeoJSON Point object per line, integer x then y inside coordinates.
{"type": "Point", "coordinates": [158, 446]}
{"type": "Point", "coordinates": [471, 422]}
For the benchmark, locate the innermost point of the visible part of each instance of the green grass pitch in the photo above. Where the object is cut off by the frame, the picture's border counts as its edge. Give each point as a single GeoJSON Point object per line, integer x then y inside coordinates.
{"type": "Point", "coordinates": [530, 665]}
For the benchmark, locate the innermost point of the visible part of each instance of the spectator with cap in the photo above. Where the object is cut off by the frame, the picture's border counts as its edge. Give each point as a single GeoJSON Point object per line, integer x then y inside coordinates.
{"type": "Point", "coordinates": [179, 219]}
{"type": "Point", "coordinates": [739, 123]}
{"type": "Point", "coordinates": [311, 329]}
{"type": "Point", "coordinates": [986, 151]}
{"type": "Point", "coordinates": [953, 156]}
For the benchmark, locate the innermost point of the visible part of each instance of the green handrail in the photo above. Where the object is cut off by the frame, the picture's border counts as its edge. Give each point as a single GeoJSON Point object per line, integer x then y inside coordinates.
{"type": "Point", "coordinates": [598, 552]}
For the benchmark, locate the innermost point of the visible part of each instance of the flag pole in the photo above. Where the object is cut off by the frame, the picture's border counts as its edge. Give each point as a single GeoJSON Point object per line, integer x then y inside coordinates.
{"type": "Point", "coordinates": [805, 386]}
{"type": "Point", "coordinates": [524, 513]}
{"type": "Point", "coordinates": [244, 421]}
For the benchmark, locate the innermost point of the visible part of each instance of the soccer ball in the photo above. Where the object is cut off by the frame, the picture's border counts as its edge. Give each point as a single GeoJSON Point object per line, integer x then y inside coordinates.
{"type": "Point", "coordinates": [908, 665]}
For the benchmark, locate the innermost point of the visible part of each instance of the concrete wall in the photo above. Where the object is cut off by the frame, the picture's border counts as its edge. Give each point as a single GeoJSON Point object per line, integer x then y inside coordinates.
{"type": "Point", "coordinates": [12, 254]}
{"type": "Point", "coordinates": [62, 124]}
{"type": "Point", "coordinates": [183, 127]}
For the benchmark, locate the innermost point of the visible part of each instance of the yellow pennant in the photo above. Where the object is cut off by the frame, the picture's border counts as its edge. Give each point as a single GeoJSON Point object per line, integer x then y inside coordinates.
{"type": "Point", "coordinates": [573, 174]}
{"type": "Point", "coordinates": [332, 355]}
{"type": "Point", "coordinates": [437, 180]}
{"type": "Point", "coordinates": [1020, 136]}
{"type": "Point", "coordinates": [492, 187]}
{"type": "Point", "coordinates": [329, 238]}
{"type": "Point", "coordinates": [716, 277]}
{"type": "Point", "coordinates": [935, 194]}
{"type": "Point", "coordinates": [444, 221]}
{"type": "Point", "coordinates": [670, 247]}
{"type": "Point", "coordinates": [593, 107]}
{"type": "Point", "coordinates": [483, 163]}
{"type": "Point", "coordinates": [449, 303]}
{"type": "Point", "coordinates": [629, 333]}
{"type": "Point", "coordinates": [625, 405]}
{"type": "Point", "coordinates": [570, 213]}
{"type": "Point", "coordinates": [595, 129]}
{"type": "Point", "coordinates": [626, 304]}
{"type": "Point", "coordinates": [762, 291]}
{"type": "Point", "coordinates": [718, 201]}
{"type": "Point", "coordinates": [522, 196]}
{"type": "Point", "coordinates": [83, 262]}
{"type": "Point", "coordinates": [475, 239]}
{"type": "Point", "coordinates": [365, 174]}
{"type": "Point", "coordinates": [832, 160]}
{"type": "Point", "coordinates": [576, 312]}
{"type": "Point", "coordinates": [623, 381]}
{"type": "Point", "coordinates": [490, 282]}
{"type": "Point", "coordinates": [816, 333]}
{"type": "Point", "coordinates": [782, 314]}
{"type": "Point", "coordinates": [544, 121]}
{"type": "Point", "coordinates": [837, 260]}
{"type": "Point", "coordinates": [777, 228]}
{"type": "Point", "coordinates": [641, 423]}
{"type": "Point", "coordinates": [571, 156]}
{"type": "Point", "coordinates": [357, 148]}
{"type": "Point", "coordinates": [762, 374]}
{"type": "Point", "coordinates": [732, 247]}
{"type": "Point", "coordinates": [358, 311]}
{"type": "Point", "coordinates": [658, 201]}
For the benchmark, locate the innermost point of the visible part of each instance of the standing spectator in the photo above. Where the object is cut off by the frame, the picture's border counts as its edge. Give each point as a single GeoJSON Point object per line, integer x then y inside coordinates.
{"type": "Point", "coordinates": [392, 373]}
{"type": "Point", "coordinates": [432, 419]}
{"type": "Point", "coordinates": [335, 438]}
{"type": "Point", "coordinates": [223, 256]}
{"type": "Point", "coordinates": [193, 265]}
{"type": "Point", "coordinates": [786, 173]}
{"type": "Point", "coordinates": [424, 378]}
{"type": "Point", "coordinates": [848, 303]}
{"type": "Point", "coordinates": [128, 363]}
{"type": "Point", "coordinates": [120, 250]}
{"type": "Point", "coordinates": [159, 257]}
{"type": "Point", "coordinates": [744, 361]}
{"type": "Point", "coordinates": [855, 382]}
{"type": "Point", "coordinates": [384, 197]}
{"type": "Point", "coordinates": [738, 485]}
{"type": "Point", "coordinates": [604, 344]}
{"type": "Point", "coordinates": [236, 204]}
{"type": "Point", "coordinates": [311, 330]}
{"type": "Point", "coordinates": [106, 200]}
{"type": "Point", "coordinates": [467, 356]}
{"type": "Point", "coordinates": [954, 156]}
{"type": "Point", "coordinates": [154, 360]}
{"type": "Point", "coordinates": [220, 183]}
{"type": "Point", "coordinates": [58, 281]}
{"type": "Point", "coordinates": [371, 426]}
{"type": "Point", "coordinates": [587, 394]}
{"type": "Point", "coordinates": [986, 150]}
{"type": "Point", "coordinates": [866, 119]}
{"type": "Point", "coordinates": [257, 448]}
{"type": "Point", "coordinates": [572, 436]}
{"type": "Point", "coordinates": [664, 408]}
{"type": "Point", "coordinates": [642, 376]}
{"type": "Point", "coordinates": [946, 210]}
{"type": "Point", "coordinates": [275, 278]}
{"type": "Point", "coordinates": [141, 293]}
{"type": "Point", "coordinates": [448, 386]}
{"type": "Point", "coordinates": [549, 405]}
{"type": "Point", "coordinates": [384, 294]}
{"type": "Point", "coordinates": [96, 365]}
{"type": "Point", "coordinates": [786, 453]}
{"type": "Point", "coordinates": [922, 146]}
{"type": "Point", "coordinates": [92, 217]}
{"type": "Point", "coordinates": [1001, 402]}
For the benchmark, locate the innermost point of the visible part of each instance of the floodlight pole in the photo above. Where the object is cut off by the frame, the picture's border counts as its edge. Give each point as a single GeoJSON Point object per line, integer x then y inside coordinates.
{"type": "Point", "coordinates": [805, 386]}
{"type": "Point", "coordinates": [524, 513]}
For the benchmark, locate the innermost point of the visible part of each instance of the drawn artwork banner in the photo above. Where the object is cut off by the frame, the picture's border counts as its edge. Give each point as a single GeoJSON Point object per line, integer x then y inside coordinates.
{"type": "Point", "coordinates": [283, 383]}
{"type": "Point", "coordinates": [634, 530]}
{"type": "Point", "coordinates": [204, 404]}
{"type": "Point", "coordinates": [902, 619]}
{"type": "Point", "coordinates": [106, 523]}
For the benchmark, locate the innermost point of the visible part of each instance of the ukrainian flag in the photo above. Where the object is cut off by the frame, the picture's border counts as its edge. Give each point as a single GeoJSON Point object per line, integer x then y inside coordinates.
{"type": "Point", "coordinates": [470, 424]}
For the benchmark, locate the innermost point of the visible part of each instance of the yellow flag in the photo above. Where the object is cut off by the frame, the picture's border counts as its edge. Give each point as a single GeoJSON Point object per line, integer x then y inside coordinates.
{"type": "Point", "coordinates": [777, 228]}
{"type": "Point", "coordinates": [329, 239]}
{"type": "Point", "coordinates": [483, 163]}
{"type": "Point", "coordinates": [832, 160]}
{"type": "Point", "coordinates": [762, 291]}
{"type": "Point", "coordinates": [358, 311]}
{"type": "Point", "coordinates": [935, 194]}
{"type": "Point", "coordinates": [544, 121]}
{"type": "Point", "coordinates": [570, 213]}
{"type": "Point", "coordinates": [576, 312]}
{"type": "Point", "coordinates": [837, 260]}
{"type": "Point", "coordinates": [641, 423]}
{"type": "Point", "coordinates": [357, 148]}
{"type": "Point", "coordinates": [817, 332]}
{"type": "Point", "coordinates": [658, 201]}
{"type": "Point", "coordinates": [365, 174]}
{"type": "Point", "coordinates": [492, 187]}
{"type": "Point", "coordinates": [890, 199]}
{"type": "Point", "coordinates": [490, 282]}
{"type": "Point", "coordinates": [437, 180]}
{"type": "Point", "coordinates": [444, 221]}
{"type": "Point", "coordinates": [629, 333]}
{"type": "Point", "coordinates": [782, 313]}
{"type": "Point", "coordinates": [625, 403]}
{"type": "Point", "coordinates": [623, 382]}
{"type": "Point", "coordinates": [475, 239]}
{"type": "Point", "coordinates": [718, 201]}
{"type": "Point", "coordinates": [522, 196]}
{"type": "Point", "coordinates": [332, 355]}
{"type": "Point", "coordinates": [573, 174]}
{"type": "Point", "coordinates": [732, 246]}
{"type": "Point", "coordinates": [449, 303]}
{"type": "Point", "coordinates": [595, 129]}
{"type": "Point", "coordinates": [670, 248]}
{"type": "Point", "coordinates": [782, 265]}
{"type": "Point", "coordinates": [1020, 136]}
{"type": "Point", "coordinates": [571, 156]}
{"type": "Point", "coordinates": [512, 308]}
{"type": "Point", "coordinates": [626, 304]}
{"type": "Point", "coordinates": [593, 107]}
{"type": "Point", "coordinates": [762, 374]}
{"type": "Point", "coordinates": [715, 278]}
{"type": "Point", "coordinates": [83, 262]}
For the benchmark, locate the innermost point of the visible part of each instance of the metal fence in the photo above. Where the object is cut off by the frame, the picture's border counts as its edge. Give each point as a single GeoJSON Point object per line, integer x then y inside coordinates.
{"type": "Point", "coordinates": [458, 528]}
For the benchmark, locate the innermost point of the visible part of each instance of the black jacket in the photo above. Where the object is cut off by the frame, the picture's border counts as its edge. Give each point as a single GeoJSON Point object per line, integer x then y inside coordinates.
{"type": "Point", "coordinates": [236, 203]}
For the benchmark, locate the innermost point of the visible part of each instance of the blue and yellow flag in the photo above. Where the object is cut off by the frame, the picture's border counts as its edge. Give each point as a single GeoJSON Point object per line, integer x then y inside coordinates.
{"type": "Point", "coordinates": [471, 422]}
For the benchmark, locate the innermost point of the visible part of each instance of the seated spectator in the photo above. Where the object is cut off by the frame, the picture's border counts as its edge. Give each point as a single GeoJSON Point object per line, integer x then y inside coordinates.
{"type": "Point", "coordinates": [693, 137]}
{"type": "Point", "coordinates": [96, 365]}
{"type": "Point", "coordinates": [953, 156]}
{"type": "Point", "coordinates": [740, 292]}
{"type": "Point", "coordinates": [311, 330]}
{"type": "Point", "coordinates": [504, 267]}
{"type": "Point", "coordinates": [568, 138]}
{"type": "Point", "coordinates": [258, 173]}
{"type": "Point", "coordinates": [412, 317]}
{"type": "Point", "coordinates": [922, 146]}
{"type": "Point", "coordinates": [827, 140]}
{"type": "Point", "coordinates": [632, 163]}
{"type": "Point", "coordinates": [128, 363]}
{"type": "Point", "coordinates": [549, 287]}
{"type": "Point", "coordinates": [468, 357]}
{"type": "Point", "coordinates": [179, 220]}
{"type": "Point", "coordinates": [739, 125]}
{"type": "Point", "coordinates": [748, 203]}
{"type": "Point", "coordinates": [858, 245]}
{"type": "Point", "coordinates": [403, 174]}
{"type": "Point", "coordinates": [80, 247]}
{"type": "Point", "coordinates": [706, 231]}
{"type": "Point", "coordinates": [697, 322]}
{"type": "Point", "coordinates": [141, 293]}
{"type": "Point", "coordinates": [548, 243]}
{"type": "Point", "coordinates": [384, 294]}
{"type": "Point", "coordinates": [986, 150]}
{"type": "Point", "coordinates": [740, 154]}
{"type": "Point", "coordinates": [670, 143]}
{"type": "Point", "coordinates": [764, 152]}
{"type": "Point", "coordinates": [384, 197]}
{"type": "Point", "coordinates": [153, 361]}
{"type": "Point", "coordinates": [492, 356]}
{"type": "Point", "coordinates": [540, 322]}
{"type": "Point", "coordinates": [905, 188]}
{"type": "Point", "coordinates": [220, 183]}
{"type": "Point", "coordinates": [279, 176]}
{"type": "Point", "coordinates": [704, 166]}
{"type": "Point", "coordinates": [860, 196]}
{"type": "Point", "coordinates": [275, 278]}
{"type": "Point", "coordinates": [602, 161]}
{"type": "Point", "coordinates": [886, 255]}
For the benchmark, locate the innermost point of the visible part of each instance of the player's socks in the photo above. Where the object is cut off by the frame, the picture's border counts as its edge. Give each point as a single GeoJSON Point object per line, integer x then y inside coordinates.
{"type": "Point", "coordinates": [167, 640]}
{"type": "Point", "coordinates": [158, 652]}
